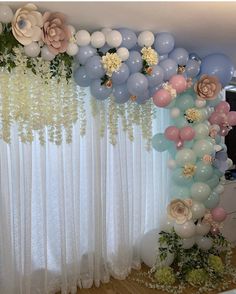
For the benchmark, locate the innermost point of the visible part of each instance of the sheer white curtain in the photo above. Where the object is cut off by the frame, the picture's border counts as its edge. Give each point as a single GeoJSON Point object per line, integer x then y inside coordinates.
{"type": "Point", "coordinates": [73, 215]}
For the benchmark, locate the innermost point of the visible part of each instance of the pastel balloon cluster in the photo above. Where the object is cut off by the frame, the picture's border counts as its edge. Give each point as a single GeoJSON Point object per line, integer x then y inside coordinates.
{"type": "Point", "coordinates": [223, 117]}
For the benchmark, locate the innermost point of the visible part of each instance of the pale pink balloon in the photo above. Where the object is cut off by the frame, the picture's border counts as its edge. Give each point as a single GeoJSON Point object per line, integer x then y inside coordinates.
{"type": "Point", "coordinates": [215, 231]}
{"type": "Point", "coordinates": [218, 214]}
{"type": "Point", "coordinates": [223, 106]}
{"type": "Point", "coordinates": [179, 83]}
{"type": "Point", "coordinates": [172, 133]}
{"type": "Point", "coordinates": [187, 133]}
{"type": "Point", "coordinates": [215, 118]}
{"type": "Point", "coordinates": [224, 131]}
{"type": "Point", "coordinates": [231, 117]}
{"type": "Point", "coordinates": [162, 98]}
{"type": "Point", "coordinates": [179, 144]}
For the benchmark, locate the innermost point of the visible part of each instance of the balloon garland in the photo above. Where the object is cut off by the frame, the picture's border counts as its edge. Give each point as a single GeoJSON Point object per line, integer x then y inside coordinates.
{"type": "Point", "coordinates": [130, 70]}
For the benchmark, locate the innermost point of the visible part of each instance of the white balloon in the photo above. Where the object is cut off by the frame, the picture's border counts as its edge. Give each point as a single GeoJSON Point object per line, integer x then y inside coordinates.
{"type": "Point", "coordinates": [98, 39]}
{"type": "Point", "coordinates": [175, 112]}
{"type": "Point", "coordinates": [204, 243]}
{"type": "Point", "coordinates": [219, 189]}
{"type": "Point", "coordinates": [46, 54]}
{"type": "Point", "coordinates": [188, 243]}
{"type": "Point", "coordinates": [123, 53]}
{"type": "Point", "coordinates": [202, 228]}
{"type": "Point", "coordinates": [114, 38]}
{"type": "Point", "coordinates": [166, 224]}
{"type": "Point", "coordinates": [200, 103]}
{"type": "Point", "coordinates": [198, 210]}
{"type": "Point", "coordinates": [171, 164]}
{"type": "Point", "coordinates": [185, 230]}
{"type": "Point", "coordinates": [148, 247]}
{"type": "Point", "coordinates": [146, 38]}
{"type": "Point", "coordinates": [72, 30]}
{"type": "Point", "coordinates": [6, 14]}
{"type": "Point", "coordinates": [105, 31]}
{"type": "Point", "coordinates": [32, 50]}
{"type": "Point", "coordinates": [82, 38]}
{"type": "Point", "coordinates": [72, 49]}
{"type": "Point", "coordinates": [1, 28]}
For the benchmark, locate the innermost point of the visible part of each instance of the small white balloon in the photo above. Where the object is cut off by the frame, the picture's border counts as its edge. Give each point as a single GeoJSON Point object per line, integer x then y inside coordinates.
{"type": "Point", "coordinates": [98, 39]}
{"type": "Point", "coordinates": [198, 210]}
{"type": "Point", "coordinates": [185, 230]}
{"type": "Point", "coordinates": [188, 243]}
{"type": "Point", "coordinates": [32, 50]}
{"type": "Point", "coordinates": [146, 38]}
{"type": "Point", "coordinates": [105, 31]}
{"type": "Point", "coordinates": [175, 112]}
{"type": "Point", "coordinates": [72, 30]}
{"type": "Point", "coordinates": [6, 14]}
{"type": "Point", "coordinates": [171, 164]}
{"type": "Point", "coordinates": [72, 49]}
{"type": "Point", "coordinates": [114, 38]}
{"type": "Point", "coordinates": [148, 247]}
{"type": "Point", "coordinates": [166, 224]}
{"type": "Point", "coordinates": [46, 54]}
{"type": "Point", "coordinates": [1, 28]}
{"type": "Point", "coordinates": [200, 103]}
{"type": "Point", "coordinates": [82, 38]}
{"type": "Point", "coordinates": [123, 53]}
{"type": "Point", "coordinates": [219, 189]}
{"type": "Point", "coordinates": [202, 228]}
{"type": "Point", "coordinates": [204, 243]}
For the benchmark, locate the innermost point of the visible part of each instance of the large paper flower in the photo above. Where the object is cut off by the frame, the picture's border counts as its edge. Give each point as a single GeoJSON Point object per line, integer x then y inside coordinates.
{"type": "Point", "coordinates": [150, 56]}
{"type": "Point", "coordinates": [111, 62]}
{"type": "Point", "coordinates": [208, 87]}
{"type": "Point", "coordinates": [180, 210]}
{"type": "Point", "coordinates": [26, 24]}
{"type": "Point", "coordinates": [56, 33]}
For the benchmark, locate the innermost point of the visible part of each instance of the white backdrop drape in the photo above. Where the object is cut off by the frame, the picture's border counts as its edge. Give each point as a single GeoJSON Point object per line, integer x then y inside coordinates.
{"type": "Point", "coordinates": [73, 215]}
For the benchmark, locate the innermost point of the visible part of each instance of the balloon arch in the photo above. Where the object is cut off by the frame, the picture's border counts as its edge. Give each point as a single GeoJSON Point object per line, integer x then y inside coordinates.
{"type": "Point", "coordinates": [139, 67]}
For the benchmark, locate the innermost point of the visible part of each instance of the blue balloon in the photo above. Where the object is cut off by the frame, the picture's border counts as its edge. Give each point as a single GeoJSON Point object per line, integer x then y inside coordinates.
{"type": "Point", "coordinates": [156, 78]}
{"type": "Point", "coordinates": [81, 77]}
{"type": "Point", "coordinates": [99, 91]}
{"type": "Point", "coordinates": [160, 143]}
{"type": "Point", "coordinates": [129, 38]}
{"type": "Point", "coordinates": [105, 48]}
{"type": "Point", "coordinates": [192, 68]}
{"type": "Point", "coordinates": [85, 52]}
{"type": "Point", "coordinates": [179, 55]}
{"type": "Point", "coordinates": [134, 62]}
{"type": "Point", "coordinates": [120, 76]}
{"type": "Point", "coordinates": [164, 43]}
{"type": "Point", "coordinates": [163, 57]}
{"type": "Point", "coordinates": [94, 67]}
{"type": "Point", "coordinates": [170, 68]}
{"type": "Point", "coordinates": [137, 84]}
{"type": "Point", "coordinates": [195, 57]}
{"type": "Point", "coordinates": [219, 65]}
{"type": "Point", "coordinates": [141, 99]}
{"type": "Point", "coordinates": [153, 90]}
{"type": "Point", "coordinates": [121, 93]}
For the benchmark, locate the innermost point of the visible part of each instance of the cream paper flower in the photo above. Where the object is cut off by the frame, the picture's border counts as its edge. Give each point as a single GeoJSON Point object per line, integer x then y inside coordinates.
{"type": "Point", "coordinates": [180, 210]}
{"type": "Point", "coordinates": [111, 62]}
{"type": "Point", "coordinates": [149, 55]}
{"type": "Point", "coordinates": [193, 115]}
{"type": "Point", "coordinates": [168, 87]}
{"type": "Point", "coordinates": [189, 170]}
{"type": "Point", "coordinates": [27, 24]}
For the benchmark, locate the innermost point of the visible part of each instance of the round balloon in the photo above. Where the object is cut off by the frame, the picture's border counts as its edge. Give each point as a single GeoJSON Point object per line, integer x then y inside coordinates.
{"type": "Point", "coordinates": [180, 55]}
{"type": "Point", "coordinates": [185, 156]}
{"type": "Point", "coordinates": [134, 62]}
{"type": "Point", "coordinates": [137, 84]}
{"type": "Point", "coordinates": [164, 43]}
{"type": "Point", "coordinates": [160, 143]}
{"type": "Point", "coordinates": [99, 91]}
{"type": "Point", "coordinates": [200, 191]}
{"type": "Point", "coordinates": [186, 230]}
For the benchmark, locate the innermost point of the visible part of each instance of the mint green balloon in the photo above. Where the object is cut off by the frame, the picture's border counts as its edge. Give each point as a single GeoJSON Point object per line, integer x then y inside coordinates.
{"type": "Point", "coordinates": [200, 191]}
{"type": "Point", "coordinates": [203, 172]}
{"type": "Point", "coordinates": [218, 139]}
{"type": "Point", "coordinates": [179, 178]}
{"type": "Point", "coordinates": [180, 122]}
{"type": "Point", "coordinates": [214, 102]}
{"type": "Point", "coordinates": [202, 147]}
{"type": "Point", "coordinates": [184, 101]}
{"type": "Point", "coordinates": [160, 143]}
{"type": "Point", "coordinates": [213, 181]}
{"type": "Point", "coordinates": [185, 156]}
{"type": "Point", "coordinates": [201, 131]}
{"type": "Point", "coordinates": [181, 192]}
{"type": "Point", "coordinates": [212, 201]}
{"type": "Point", "coordinates": [204, 114]}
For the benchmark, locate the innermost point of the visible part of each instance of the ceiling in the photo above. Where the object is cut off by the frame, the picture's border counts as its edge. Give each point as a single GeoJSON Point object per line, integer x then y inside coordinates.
{"type": "Point", "coordinates": [201, 27]}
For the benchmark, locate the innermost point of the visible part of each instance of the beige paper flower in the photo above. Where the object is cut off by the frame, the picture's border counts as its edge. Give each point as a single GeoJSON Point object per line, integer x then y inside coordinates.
{"type": "Point", "coordinates": [149, 55]}
{"type": "Point", "coordinates": [208, 87]}
{"type": "Point", "coordinates": [192, 115]}
{"type": "Point", "coordinates": [27, 24]}
{"type": "Point", "coordinates": [111, 62]}
{"type": "Point", "coordinates": [189, 170]}
{"type": "Point", "coordinates": [180, 210]}
{"type": "Point", "coordinates": [56, 34]}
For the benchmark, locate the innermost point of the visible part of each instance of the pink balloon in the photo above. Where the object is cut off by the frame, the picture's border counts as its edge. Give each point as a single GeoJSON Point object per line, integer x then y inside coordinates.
{"type": "Point", "coordinates": [179, 144]}
{"type": "Point", "coordinates": [162, 98]}
{"type": "Point", "coordinates": [231, 117]}
{"type": "Point", "coordinates": [187, 133]}
{"type": "Point", "coordinates": [223, 106]}
{"type": "Point", "coordinates": [215, 118]}
{"type": "Point", "coordinates": [224, 131]}
{"type": "Point", "coordinates": [215, 231]}
{"type": "Point", "coordinates": [179, 83]}
{"type": "Point", "coordinates": [218, 214]}
{"type": "Point", "coordinates": [172, 133]}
